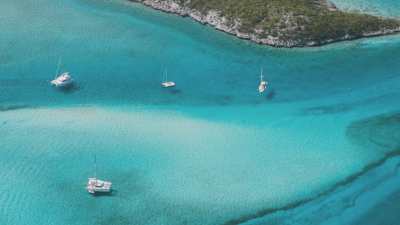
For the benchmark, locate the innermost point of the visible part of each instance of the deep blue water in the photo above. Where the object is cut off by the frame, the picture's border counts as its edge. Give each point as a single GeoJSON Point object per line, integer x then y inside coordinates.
{"type": "Point", "coordinates": [210, 151]}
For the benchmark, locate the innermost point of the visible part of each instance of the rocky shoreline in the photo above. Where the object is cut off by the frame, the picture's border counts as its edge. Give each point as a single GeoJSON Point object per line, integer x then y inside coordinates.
{"type": "Point", "coordinates": [214, 19]}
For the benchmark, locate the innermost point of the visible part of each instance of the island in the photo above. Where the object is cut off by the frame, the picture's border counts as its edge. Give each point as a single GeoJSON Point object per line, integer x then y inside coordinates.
{"type": "Point", "coordinates": [280, 23]}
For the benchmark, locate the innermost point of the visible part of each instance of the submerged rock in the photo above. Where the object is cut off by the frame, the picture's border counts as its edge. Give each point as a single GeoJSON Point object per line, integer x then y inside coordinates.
{"type": "Point", "coordinates": [381, 131]}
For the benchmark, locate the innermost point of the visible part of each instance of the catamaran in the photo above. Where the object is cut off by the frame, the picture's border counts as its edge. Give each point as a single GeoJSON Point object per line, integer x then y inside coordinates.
{"type": "Point", "coordinates": [95, 185]}
{"type": "Point", "coordinates": [62, 80]}
{"type": "Point", "coordinates": [166, 83]}
{"type": "Point", "coordinates": [263, 84]}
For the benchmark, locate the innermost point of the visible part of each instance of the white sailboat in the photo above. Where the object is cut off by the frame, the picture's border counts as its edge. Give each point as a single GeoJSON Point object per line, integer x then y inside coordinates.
{"type": "Point", "coordinates": [166, 83]}
{"type": "Point", "coordinates": [95, 185]}
{"type": "Point", "coordinates": [263, 84]}
{"type": "Point", "coordinates": [62, 80]}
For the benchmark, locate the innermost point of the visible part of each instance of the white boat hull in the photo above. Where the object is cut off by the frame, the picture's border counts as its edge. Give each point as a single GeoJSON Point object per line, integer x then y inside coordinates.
{"type": "Point", "coordinates": [262, 87]}
{"type": "Point", "coordinates": [95, 185]}
{"type": "Point", "coordinates": [168, 84]}
{"type": "Point", "coordinates": [62, 84]}
{"type": "Point", "coordinates": [64, 80]}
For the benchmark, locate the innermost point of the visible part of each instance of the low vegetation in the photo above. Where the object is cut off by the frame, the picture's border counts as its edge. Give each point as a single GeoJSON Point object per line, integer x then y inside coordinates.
{"type": "Point", "coordinates": [301, 20]}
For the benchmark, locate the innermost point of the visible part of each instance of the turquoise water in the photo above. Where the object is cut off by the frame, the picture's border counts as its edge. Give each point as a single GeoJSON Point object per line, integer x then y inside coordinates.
{"type": "Point", "coordinates": [211, 151]}
{"type": "Point", "coordinates": [390, 8]}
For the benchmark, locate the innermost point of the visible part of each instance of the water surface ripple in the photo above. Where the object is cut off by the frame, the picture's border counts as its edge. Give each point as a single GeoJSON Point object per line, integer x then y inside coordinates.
{"type": "Point", "coordinates": [210, 151]}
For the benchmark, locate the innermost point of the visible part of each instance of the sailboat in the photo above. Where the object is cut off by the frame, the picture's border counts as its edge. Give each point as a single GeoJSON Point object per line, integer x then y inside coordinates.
{"type": "Point", "coordinates": [166, 83]}
{"type": "Point", "coordinates": [95, 185]}
{"type": "Point", "coordinates": [62, 80]}
{"type": "Point", "coordinates": [263, 84]}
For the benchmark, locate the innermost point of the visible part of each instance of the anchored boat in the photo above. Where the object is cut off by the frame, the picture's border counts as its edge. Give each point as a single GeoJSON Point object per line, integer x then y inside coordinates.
{"type": "Point", "coordinates": [95, 185]}
{"type": "Point", "coordinates": [166, 83]}
{"type": "Point", "coordinates": [263, 84]}
{"type": "Point", "coordinates": [62, 80]}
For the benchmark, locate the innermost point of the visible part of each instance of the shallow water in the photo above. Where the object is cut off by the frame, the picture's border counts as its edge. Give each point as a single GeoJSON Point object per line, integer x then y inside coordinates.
{"type": "Point", "coordinates": [211, 151]}
{"type": "Point", "coordinates": [389, 8]}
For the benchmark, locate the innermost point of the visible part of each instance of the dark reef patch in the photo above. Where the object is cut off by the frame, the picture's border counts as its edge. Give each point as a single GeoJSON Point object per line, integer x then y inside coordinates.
{"type": "Point", "coordinates": [341, 108]}
{"type": "Point", "coordinates": [4, 108]}
{"type": "Point", "coordinates": [348, 180]}
{"type": "Point", "coordinates": [383, 131]}
{"type": "Point", "coordinates": [384, 213]}
{"type": "Point", "coordinates": [331, 109]}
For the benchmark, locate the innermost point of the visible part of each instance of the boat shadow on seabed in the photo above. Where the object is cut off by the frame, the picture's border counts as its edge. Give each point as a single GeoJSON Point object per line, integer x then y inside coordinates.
{"type": "Point", "coordinates": [69, 89]}
{"type": "Point", "coordinates": [110, 194]}
{"type": "Point", "coordinates": [175, 91]}
{"type": "Point", "coordinates": [270, 95]}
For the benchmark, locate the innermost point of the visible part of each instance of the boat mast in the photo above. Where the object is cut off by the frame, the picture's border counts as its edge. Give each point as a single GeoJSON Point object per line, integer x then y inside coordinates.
{"type": "Point", "coordinates": [95, 167]}
{"type": "Point", "coordinates": [58, 66]}
{"type": "Point", "coordinates": [262, 76]}
{"type": "Point", "coordinates": [166, 75]}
